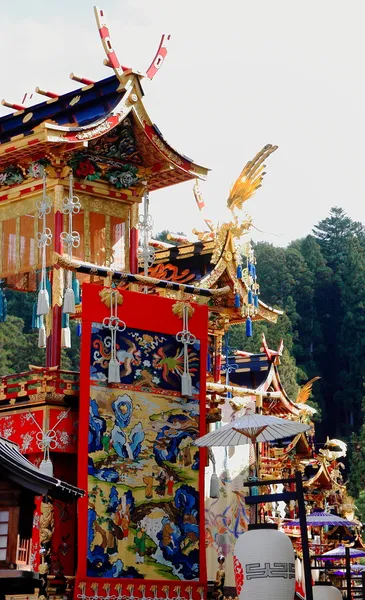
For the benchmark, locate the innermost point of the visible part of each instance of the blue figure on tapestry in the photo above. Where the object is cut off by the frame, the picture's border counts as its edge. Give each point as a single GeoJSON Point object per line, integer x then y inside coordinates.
{"type": "Point", "coordinates": [124, 448]}
{"type": "Point", "coordinates": [97, 427]}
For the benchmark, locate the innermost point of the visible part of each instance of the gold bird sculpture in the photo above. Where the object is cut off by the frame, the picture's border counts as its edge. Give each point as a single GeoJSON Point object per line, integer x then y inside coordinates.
{"type": "Point", "coordinates": [305, 391]}
{"type": "Point", "coordinates": [250, 178]}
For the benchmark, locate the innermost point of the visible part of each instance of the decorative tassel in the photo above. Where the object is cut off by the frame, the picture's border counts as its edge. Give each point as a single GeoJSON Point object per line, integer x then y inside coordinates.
{"type": "Point", "coordinates": [214, 486]}
{"type": "Point", "coordinates": [43, 302]}
{"type": "Point", "coordinates": [3, 307]}
{"type": "Point", "coordinates": [239, 272]}
{"type": "Point", "coordinates": [248, 327]}
{"type": "Point", "coordinates": [186, 385]}
{"type": "Point", "coordinates": [76, 289]}
{"type": "Point", "coordinates": [65, 333]}
{"type": "Point", "coordinates": [66, 337]}
{"type": "Point", "coordinates": [237, 301]}
{"type": "Point", "coordinates": [256, 301]}
{"type": "Point", "coordinates": [70, 239]}
{"type": "Point", "coordinates": [114, 371]}
{"type": "Point", "coordinates": [46, 467]}
{"type": "Point", "coordinates": [253, 271]}
{"type": "Point", "coordinates": [44, 240]}
{"type": "Point", "coordinates": [254, 488]}
{"type": "Point", "coordinates": [249, 268]}
{"type": "Point", "coordinates": [249, 297]}
{"type": "Point", "coordinates": [114, 324]}
{"type": "Point", "coordinates": [186, 338]}
{"type": "Point", "coordinates": [78, 329]}
{"type": "Point", "coordinates": [36, 319]}
{"type": "Point", "coordinates": [214, 480]}
{"type": "Point", "coordinates": [42, 338]}
{"type": "Point", "coordinates": [49, 290]}
{"type": "Point", "coordinates": [69, 302]}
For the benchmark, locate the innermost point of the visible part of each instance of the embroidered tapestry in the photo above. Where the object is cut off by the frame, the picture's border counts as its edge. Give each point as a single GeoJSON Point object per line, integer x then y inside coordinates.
{"type": "Point", "coordinates": [145, 507]}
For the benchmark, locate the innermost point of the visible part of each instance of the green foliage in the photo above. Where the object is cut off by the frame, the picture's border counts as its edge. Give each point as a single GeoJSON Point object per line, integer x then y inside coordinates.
{"type": "Point", "coordinates": [18, 349]}
{"type": "Point", "coordinates": [360, 505]}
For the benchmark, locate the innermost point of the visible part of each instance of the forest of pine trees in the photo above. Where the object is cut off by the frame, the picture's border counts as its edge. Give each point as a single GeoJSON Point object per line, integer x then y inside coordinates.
{"type": "Point", "coordinates": [319, 281]}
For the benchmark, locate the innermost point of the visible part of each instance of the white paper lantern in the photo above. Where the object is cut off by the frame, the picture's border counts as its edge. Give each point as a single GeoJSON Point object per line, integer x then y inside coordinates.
{"type": "Point", "coordinates": [326, 591]}
{"type": "Point", "coordinates": [264, 564]}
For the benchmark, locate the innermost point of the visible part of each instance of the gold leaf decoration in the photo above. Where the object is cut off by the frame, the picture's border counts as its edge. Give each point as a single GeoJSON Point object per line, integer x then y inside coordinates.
{"type": "Point", "coordinates": [250, 178]}
{"type": "Point", "coordinates": [106, 293]}
{"type": "Point", "coordinates": [178, 309]}
{"type": "Point", "coordinates": [305, 391]}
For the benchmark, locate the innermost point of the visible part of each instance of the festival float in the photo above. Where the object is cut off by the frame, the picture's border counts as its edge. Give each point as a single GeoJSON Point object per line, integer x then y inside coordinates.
{"type": "Point", "coordinates": [158, 514]}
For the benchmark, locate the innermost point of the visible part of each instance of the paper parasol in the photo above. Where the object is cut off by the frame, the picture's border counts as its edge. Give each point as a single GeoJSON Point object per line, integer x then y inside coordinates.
{"type": "Point", "coordinates": [340, 552]}
{"type": "Point", "coordinates": [252, 428]}
{"type": "Point", "coordinates": [321, 519]}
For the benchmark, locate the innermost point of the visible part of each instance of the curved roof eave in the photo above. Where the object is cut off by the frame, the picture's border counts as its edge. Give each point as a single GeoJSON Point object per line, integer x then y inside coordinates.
{"type": "Point", "coordinates": [79, 106]}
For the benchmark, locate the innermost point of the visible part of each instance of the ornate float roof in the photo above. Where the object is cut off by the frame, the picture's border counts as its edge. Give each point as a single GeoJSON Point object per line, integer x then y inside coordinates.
{"type": "Point", "coordinates": [105, 120]}
{"type": "Point", "coordinates": [260, 372]}
{"type": "Point", "coordinates": [211, 263]}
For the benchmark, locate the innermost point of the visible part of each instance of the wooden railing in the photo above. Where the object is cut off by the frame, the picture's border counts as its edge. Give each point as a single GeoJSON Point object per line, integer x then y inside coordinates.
{"type": "Point", "coordinates": [23, 551]}
{"type": "Point", "coordinates": [38, 380]}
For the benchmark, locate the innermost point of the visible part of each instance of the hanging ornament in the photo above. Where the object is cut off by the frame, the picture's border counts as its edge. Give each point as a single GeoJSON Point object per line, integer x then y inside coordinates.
{"type": "Point", "coordinates": [250, 309]}
{"type": "Point", "coordinates": [145, 226]}
{"type": "Point", "coordinates": [112, 298]}
{"type": "Point", "coordinates": [44, 207]}
{"type": "Point", "coordinates": [46, 441]}
{"type": "Point", "coordinates": [76, 288]}
{"type": "Point", "coordinates": [248, 327]}
{"type": "Point", "coordinates": [214, 480]}
{"type": "Point", "coordinates": [229, 366]}
{"type": "Point", "coordinates": [185, 337]}
{"type": "Point", "coordinates": [70, 239]}
{"type": "Point", "coordinates": [78, 329]}
{"type": "Point", "coordinates": [35, 317]}
{"type": "Point", "coordinates": [239, 271]}
{"type": "Point", "coordinates": [65, 331]}
{"type": "Point", "coordinates": [42, 338]}
{"type": "Point", "coordinates": [3, 306]}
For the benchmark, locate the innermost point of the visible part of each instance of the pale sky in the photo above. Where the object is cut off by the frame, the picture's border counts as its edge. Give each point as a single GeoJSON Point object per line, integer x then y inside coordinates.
{"type": "Point", "coordinates": [238, 75]}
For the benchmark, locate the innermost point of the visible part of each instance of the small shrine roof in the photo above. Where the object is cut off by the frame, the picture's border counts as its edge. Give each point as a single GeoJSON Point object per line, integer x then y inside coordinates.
{"type": "Point", "coordinates": [208, 263]}
{"type": "Point", "coordinates": [20, 470]}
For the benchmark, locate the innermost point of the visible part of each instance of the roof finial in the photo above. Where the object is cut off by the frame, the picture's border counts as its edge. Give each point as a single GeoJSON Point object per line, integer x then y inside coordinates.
{"type": "Point", "coordinates": [112, 59]}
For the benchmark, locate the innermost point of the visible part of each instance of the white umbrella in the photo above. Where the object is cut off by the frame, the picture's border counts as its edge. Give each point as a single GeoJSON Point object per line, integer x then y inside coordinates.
{"type": "Point", "coordinates": [320, 518]}
{"type": "Point", "coordinates": [252, 428]}
{"type": "Point", "coordinates": [340, 552]}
